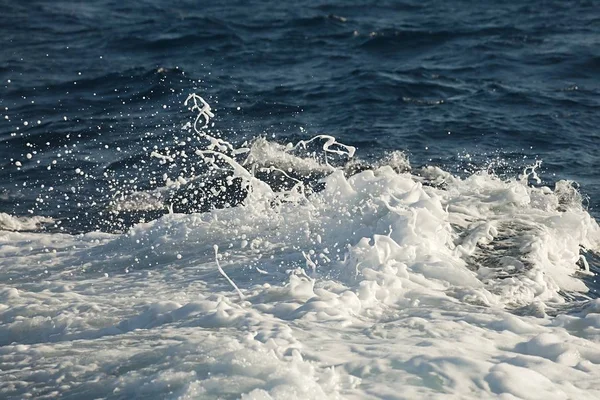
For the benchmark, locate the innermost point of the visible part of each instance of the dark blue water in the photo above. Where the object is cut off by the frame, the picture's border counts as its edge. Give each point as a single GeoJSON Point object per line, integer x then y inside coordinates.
{"type": "Point", "coordinates": [464, 85]}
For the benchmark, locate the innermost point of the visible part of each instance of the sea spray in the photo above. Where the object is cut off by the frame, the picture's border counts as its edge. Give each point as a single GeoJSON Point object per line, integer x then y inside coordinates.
{"type": "Point", "coordinates": [389, 279]}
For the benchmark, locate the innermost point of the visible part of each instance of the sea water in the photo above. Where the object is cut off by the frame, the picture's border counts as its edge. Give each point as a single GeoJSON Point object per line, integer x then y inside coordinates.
{"type": "Point", "coordinates": [328, 200]}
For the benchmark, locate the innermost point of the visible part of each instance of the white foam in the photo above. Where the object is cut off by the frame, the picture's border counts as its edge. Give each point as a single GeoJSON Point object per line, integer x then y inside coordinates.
{"type": "Point", "coordinates": [383, 284]}
{"type": "Point", "coordinates": [12, 223]}
{"type": "Point", "coordinates": [268, 153]}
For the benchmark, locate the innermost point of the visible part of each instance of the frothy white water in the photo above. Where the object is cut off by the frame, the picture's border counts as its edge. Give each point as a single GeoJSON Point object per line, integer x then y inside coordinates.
{"type": "Point", "coordinates": [385, 284]}
{"type": "Point", "coordinates": [12, 223]}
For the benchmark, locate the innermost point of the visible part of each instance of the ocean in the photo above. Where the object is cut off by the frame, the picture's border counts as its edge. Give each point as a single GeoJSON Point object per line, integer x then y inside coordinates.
{"type": "Point", "coordinates": [315, 200]}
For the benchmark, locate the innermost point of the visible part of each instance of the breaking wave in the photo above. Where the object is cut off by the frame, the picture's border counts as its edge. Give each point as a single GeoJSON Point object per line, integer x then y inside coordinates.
{"type": "Point", "coordinates": [300, 271]}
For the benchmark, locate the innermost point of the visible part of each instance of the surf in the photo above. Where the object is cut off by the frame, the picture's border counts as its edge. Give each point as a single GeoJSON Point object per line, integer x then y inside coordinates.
{"type": "Point", "coordinates": [305, 272]}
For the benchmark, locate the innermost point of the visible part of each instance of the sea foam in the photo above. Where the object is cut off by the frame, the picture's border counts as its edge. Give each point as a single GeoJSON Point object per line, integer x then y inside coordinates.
{"type": "Point", "coordinates": [379, 282]}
